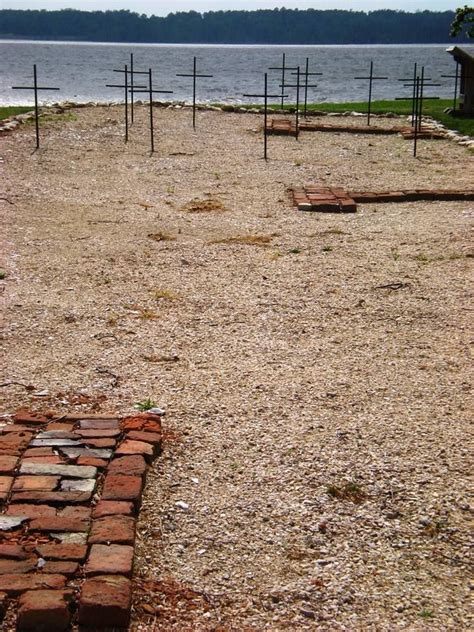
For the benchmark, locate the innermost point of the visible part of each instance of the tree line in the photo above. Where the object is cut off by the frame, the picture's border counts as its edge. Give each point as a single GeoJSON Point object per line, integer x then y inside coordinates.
{"type": "Point", "coordinates": [277, 26]}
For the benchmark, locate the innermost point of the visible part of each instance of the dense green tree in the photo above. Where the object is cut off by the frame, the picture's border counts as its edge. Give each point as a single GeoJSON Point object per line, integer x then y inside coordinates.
{"type": "Point", "coordinates": [464, 19]}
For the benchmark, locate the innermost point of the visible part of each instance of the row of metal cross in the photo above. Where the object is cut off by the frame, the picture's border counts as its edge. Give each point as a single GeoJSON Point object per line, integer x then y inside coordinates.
{"type": "Point", "coordinates": [418, 83]}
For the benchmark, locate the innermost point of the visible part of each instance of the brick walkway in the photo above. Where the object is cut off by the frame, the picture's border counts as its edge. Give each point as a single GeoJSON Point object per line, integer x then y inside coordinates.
{"type": "Point", "coordinates": [286, 127]}
{"type": "Point", "coordinates": [337, 200]}
{"type": "Point", "coordinates": [70, 491]}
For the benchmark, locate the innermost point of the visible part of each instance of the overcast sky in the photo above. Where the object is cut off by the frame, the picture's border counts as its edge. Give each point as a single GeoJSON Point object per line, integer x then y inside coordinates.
{"type": "Point", "coordinates": [172, 6]}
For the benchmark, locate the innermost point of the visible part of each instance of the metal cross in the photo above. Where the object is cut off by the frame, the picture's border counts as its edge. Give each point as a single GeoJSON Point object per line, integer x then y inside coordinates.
{"type": "Point", "coordinates": [297, 86]}
{"type": "Point", "coordinates": [125, 86]}
{"type": "Point", "coordinates": [283, 68]}
{"type": "Point", "coordinates": [371, 78]}
{"type": "Point", "coordinates": [306, 85]}
{"type": "Point", "coordinates": [132, 86]}
{"type": "Point", "coordinates": [265, 96]}
{"type": "Point", "coordinates": [151, 91]}
{"type": "Point", "coordinates": [194, 75]}
{"type": "Point", "coordinates": [36, 88]}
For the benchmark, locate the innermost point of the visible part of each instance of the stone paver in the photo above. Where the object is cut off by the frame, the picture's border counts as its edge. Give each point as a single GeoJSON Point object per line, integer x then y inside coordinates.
{"type": "Point", "coordinates": [70, 489]}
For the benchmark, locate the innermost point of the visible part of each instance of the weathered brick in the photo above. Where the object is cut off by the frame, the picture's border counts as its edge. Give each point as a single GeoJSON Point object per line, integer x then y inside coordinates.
{"type": "Point", "coordinates": [116, 529]}
{"type": "Point", "coordinates": [78, 485]}
{"type": "Point", "coordinates": [75, 552]}
{"type": "Point", "coordinates": [24, 416]}
{"type": "Point", "coordinates": [135, 447]}
{"type": "Point", "coordinates": [56, 460]}
{"type": "Point", "coordinates": [78, 513]}
{"type": "Point", "coordinates": [105, 602]}
{"type": "Point", "coordinates": [112, 507]}
{"type": "Point", "coordinates": [110, 560]}
{"type": "Point", "coordinates": [43, 610]}
{"type": "Point", "coordinates": [104, 442]}
{"type": "Point", "coordinates": [16, 428]}
{"type": "Point", "coordinates": [55, 434]}
{"type": "Point", "coordinates": [74, 453]}
{"type": "Point", "coordinates": [8, 464]}
{"type": "Point", "coordinates": [59, 524]}
{"type": "Point", "coordinates": [32, 483]}
{"type": "Point", "coordinates": [14, 443]}
{"type": "Point", "coordinates": [13, 552]}
{"type": "Point", "coordinates": [62, 567]}
{"type": "Point", "coordinates": [99, 424]}
{"type": "Point", "coordinates": [133, 465]}
{"type": "Point", "coordinates": [61, 425]}
{"type": "Point", "coordinates": [38, 452]}
{"type": "Point", "coordinates": [87, 460]}
{"type": "Point", "coordinates": [98, 433]}
{"type": "Point", "coordinates": [51, 497]}
{"type": "Point", "coordinates": [16, 567]}
{"type": "Point", "coordinates": [16, 584]}
{"type": "Point", "coordinates": [148, 437]}
{"type": "Point", "coordinates": [121, 487]}
{"type": "Point", "coordinates": [71, 471]}
{"type": "Point", "coordinates": [31, 511]}
{"type": "Point", "coordinates": [152, 423]}
{"type": "Point", "coordinates": [5, 485]}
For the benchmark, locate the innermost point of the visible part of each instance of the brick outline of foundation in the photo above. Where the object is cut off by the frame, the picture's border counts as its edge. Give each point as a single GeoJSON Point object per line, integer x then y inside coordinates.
{"type": "Point", "coordinates": [338, 200]}
{"type": "Point", "coordinates": [79, 479]}
{"type": "Point", "coordinates": [286, 127]}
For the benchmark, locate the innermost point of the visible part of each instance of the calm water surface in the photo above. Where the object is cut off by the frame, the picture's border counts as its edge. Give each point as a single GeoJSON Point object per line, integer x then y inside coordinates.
{"type": "Point", "coordinates": [81, 70]}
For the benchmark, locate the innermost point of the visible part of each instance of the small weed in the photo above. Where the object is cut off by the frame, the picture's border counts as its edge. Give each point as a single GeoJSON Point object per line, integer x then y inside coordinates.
{"type": "Point", "coordinates": [298, 163]}
{"type": "Point", "coordinates": [145, 405]}
{"type": "Point", "coordinates": [204, 206]}
{"type": "Point", "coordinates": [147, 314]}
{"type": "Point", "coordinates": [154, 358]}
{"type": "Point", "coordinates": [333, 231]}
{"type": "Point", "coordinates": [276, 254]}
{"type": "Point", "coordinates": [422, 258]}
{"type": "Point", "coordinates": [112, 320]}
{"type": "Point", "coordinates": [160, 236]}
{"type": "Point", "coordinates": [327, 248]}
{"type": "Point", "coordinates": [349, 491]}
{"type": "Point", "coordinates": [170, 189]}
{"type": "Point", "coordinates": [395, 254]}
{"type": "Point", "coordinates": [245, 240]}
{"type": "Point", "coordinates": [426, 614]}
{"type": "Point", "coordinates": [294, 251]}
{"type": "Point", "coordinates": [165, 294]}
{"type": "Point", "coordinates": [3, 274]}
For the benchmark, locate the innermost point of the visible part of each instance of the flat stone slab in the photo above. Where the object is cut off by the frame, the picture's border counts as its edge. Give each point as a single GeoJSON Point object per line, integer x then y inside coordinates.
{"type": "Point", "coordinates": [96, 453]}
{"type": "Point", "coordinates": [11, 522]}
{"type": "Point", "coordinates": [82, 485]}
{"type": "Point", "coordinates": [71, 471]}
{"type": "Point", "coordinates": [41, 443]}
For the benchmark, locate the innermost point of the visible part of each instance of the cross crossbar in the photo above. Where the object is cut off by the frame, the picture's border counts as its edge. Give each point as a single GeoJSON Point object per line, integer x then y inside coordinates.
{"type": "Point", "coordinates": [194, 75]}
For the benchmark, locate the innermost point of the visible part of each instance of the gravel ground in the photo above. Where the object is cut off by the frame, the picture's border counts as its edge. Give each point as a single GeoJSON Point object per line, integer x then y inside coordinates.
{"type": "Point", "coordinates": [318, 453]}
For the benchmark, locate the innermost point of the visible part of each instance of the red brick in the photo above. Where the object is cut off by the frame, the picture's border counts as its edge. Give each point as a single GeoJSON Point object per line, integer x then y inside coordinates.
{"type": "Point", "coordinates": [110, 560]}
{"type": "Point", "coordinates": [16, 567]}
{"type": "Point", "coordinates": [348, 206]}
{"type": "Point", "coordinates": [100, 443]}
{"type": "Point", "coordinates": [8, 464]}
{"type": "Point", "coordinates": [75, 552]}
{"type": "Point", "coordinates": [51, 497]}
{"type": "Point", "coordinates": [16, 584]}
{"type": "Point", "coordinates": [148, 437]}
{"type": "Point", "coordinates": [90, 460]}
{"type": "Point", "coordinates": [43, 610]}
{"type": "Point", "coordinates": [60, 425]}
{"type": "Point", "coordinates": [121, 487]}
{"type": "Point", "coordinates": [5, 485]}
{"type": "Point", "coordinates": [117, 529]}
{"type": "Point", "coordinates": [59, 524]}
{"type": "Point", "coordinates": [135, 447]}
{"type": "Point", "coordinates": [39, 452]}
{"type": "Point", "coordinates": [98, 433]}
{"type": "Point", "coordinates": [16, 428]}
{"type": "Point", "coordinates": [152, 423]}
{"type": "Point", "coordinates": [78, 513]}
{"type": "Point", "coordinates": [14, 443]}
{"type": "Point", "coordinates": [31, 511]}
{"type": "Point", "coordinates": [24, 416]}
{"type": "Point", "coordinates": [13, 552]}
{"type": "Point", "coordinates": [112, 507]}
{"type": "Point", "coordinates": [55, 460]}
{"type": "Point", "coordinates": [35, 483]}
{"type": "Point", "coordinates": [105, 602]}
{"type": "Point", "coordinates": [133, 465]}
{"type": "Point", "coordinates": [63, 568]}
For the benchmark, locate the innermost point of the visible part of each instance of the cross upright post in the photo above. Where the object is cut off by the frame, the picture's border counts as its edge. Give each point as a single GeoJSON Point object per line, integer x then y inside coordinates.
{"type": "Point", "coordinates": [194, 75]}
{"type": "Point", "coordinates": [129, 89]}
{"type": "Point", "coordinates": [297, 86]}
{"type": "Point", "coordinates": [457, 80]}
{"type": "Point", "coordinates": [36, 88]}
{"type": "Point", "coordinates": [283, 69]}
{"type": "Point", "coordinates": [125, 87]}
{"type": "Point", "coordinates": [265, 96]}
{"type": "Point", "coordinates": [371, 79]}
{"type": "Point", "coordinates": [306, 75]}
{"type": "Point", "coordinates": [150, 90]}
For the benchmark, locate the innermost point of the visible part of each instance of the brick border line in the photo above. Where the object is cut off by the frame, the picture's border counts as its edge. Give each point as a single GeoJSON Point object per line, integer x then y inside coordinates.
{"type": "Point", "coordinates": [70, 492]}
{"type": "Point", "coordinates": [338, 200]}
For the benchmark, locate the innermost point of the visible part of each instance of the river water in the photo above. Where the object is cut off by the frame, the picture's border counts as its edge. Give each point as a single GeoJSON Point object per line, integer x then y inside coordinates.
{"type": "Point", "coordinates": [82, 70]}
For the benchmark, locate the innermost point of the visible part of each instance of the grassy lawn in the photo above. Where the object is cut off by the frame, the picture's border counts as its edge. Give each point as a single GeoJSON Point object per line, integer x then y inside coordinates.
{"type": "Point", "coordinates": [11, 110]}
